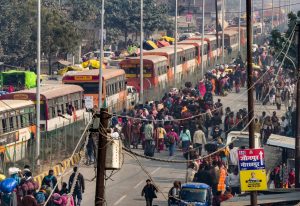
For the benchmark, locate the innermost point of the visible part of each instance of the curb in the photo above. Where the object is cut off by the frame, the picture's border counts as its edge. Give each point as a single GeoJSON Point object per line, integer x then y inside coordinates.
{"type": "Point", "coordinates": [59, 168]}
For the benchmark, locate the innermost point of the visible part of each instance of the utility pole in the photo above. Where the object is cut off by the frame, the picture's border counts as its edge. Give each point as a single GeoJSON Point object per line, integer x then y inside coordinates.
{"type": "Point", "coordinates": [217, 29]}
{"type": "Point", "coordinates": [175, 43]}
{"type": "Point", "coordinates": [297, 136]}
{"type": "Point", "coordinates": [141, 56]}
{"type": "Point", "coordinates": [240, 12]}
{"type": "Point", "coordinates": [262, 18]}
{"type": "Point", "coordinates": [101, 157]}
{"type": "Point", "coordinates": [223, 27]}
{"type": "Point", "coordinates": [38, 91]}
{"type": "Point", "coordinates": [101, 57]}
{"type": "Point", "coordinates": [202, 40]}
{"type": "Point", "coordinates": [250, 86]}
{"type": "Point", "coordinates": [279, 9]}
{"type": "Point", "coordinates": [272, 14]}
{"type": "Point", "coordinates": [252, 19]}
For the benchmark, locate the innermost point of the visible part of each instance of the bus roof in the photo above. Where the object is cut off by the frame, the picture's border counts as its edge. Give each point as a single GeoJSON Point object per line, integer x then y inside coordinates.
{"type": "Point", "coordinates": [168, 50]}
{"type": "Point", "coordinates": [230, 32]}
{"type": "Point", "coordinates": [7, 105]}
{"type": "Point", "coordinates": [192, 41]}
{"type": "Point", "coordinates": [49, 91]}
{"type": "Point", "coordinates": [152, 58]}
{"type": "Point", "coordinates": [107, 73]}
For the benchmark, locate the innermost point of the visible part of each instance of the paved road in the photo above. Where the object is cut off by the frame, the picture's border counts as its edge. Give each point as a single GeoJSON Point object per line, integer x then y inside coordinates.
{"type": "Point", "coordinates": [125, 186]}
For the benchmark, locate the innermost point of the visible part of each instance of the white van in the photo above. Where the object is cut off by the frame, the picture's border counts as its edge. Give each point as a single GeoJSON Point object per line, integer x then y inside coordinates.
{"type": "Point", "coordinates": [240, 139]}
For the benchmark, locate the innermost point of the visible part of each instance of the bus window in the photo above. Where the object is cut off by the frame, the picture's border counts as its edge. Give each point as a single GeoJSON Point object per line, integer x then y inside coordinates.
{"type": "Point", "coordinates": [4, 125]}
{"type": "Point", "coordinates": [11, 123]}
{"type": "Point", "coordinates": [17, 122]}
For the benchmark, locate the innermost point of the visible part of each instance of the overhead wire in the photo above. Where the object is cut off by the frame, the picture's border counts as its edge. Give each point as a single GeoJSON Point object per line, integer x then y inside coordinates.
{"type": "Point", "coordinates": [70, 158]}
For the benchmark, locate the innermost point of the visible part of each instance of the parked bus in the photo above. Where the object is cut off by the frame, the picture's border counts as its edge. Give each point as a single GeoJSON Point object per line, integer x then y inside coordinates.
{"type": "Point", "coordinates": [60, 104]}
{"type": "Point", "coordinates": [155, 71]}
{"type": "Point", "coordinates": [17, 80]}
{"type": "Point", "coordinates": [17, 127]}
{"type": "Point", "coordinates": [114, 93]}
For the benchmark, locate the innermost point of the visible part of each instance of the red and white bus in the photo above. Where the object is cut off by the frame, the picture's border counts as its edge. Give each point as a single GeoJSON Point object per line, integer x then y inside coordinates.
{"type": "Point", "coordinates": [61, 104]}
{"type": "Point", "coordinates": [114, 93]}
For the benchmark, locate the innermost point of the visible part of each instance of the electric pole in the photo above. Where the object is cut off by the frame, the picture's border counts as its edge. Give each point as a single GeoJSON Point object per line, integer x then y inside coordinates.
{"type": "Point", "coordinates": [240, 12]}
{"type": "Point", "coordinates": [223, 27]}
{"type": "Point", "coordinates": [217, 29]}
{"type": "Point", "coordinates": [141, 56]}
{"type": "Point", "coordinates": [250, 86]}
{"type": "Point", "coordinates": [297, 136]}
{"type": "Point", "coordinates": [101, 57]}
{"type": "Point", "coordinates": [38, 86]}
{"type": "Point", "coordinates": [101, 157]}
{"type": "Point", "coordinates": [175, 43]}
{"type": "Point", "coordinates": [202, 40]}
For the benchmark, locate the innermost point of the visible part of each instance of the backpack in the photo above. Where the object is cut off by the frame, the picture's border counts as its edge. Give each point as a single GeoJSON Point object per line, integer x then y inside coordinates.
{"type": "Point", "coordinates": [171, 139]}
{"type": "Point", "coordinates": [170, 196]}
{"type": "Point", "coordinates": [49, 181]}
{"type": "Point", "coordinates": [40, 197]}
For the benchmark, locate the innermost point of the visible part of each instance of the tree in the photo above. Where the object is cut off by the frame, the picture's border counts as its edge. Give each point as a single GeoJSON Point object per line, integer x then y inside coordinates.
{"type": "Point", "coordinates": [278, 40]}
{"type": "Point", "coordinates": [59, 36]}
{"type": "Point", "coordinates": [18, 34]}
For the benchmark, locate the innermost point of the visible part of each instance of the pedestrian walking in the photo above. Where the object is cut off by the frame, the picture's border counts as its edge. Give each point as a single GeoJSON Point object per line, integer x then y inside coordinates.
{"type": "Point", "coordinates": [149, 192]}
{"type": "Point", "coordinates": [50, 180]}
{"type": "Point", "coordinates": [90, 148]}
{"type": "Point", "coordinates": [79, 186]}
{"type": "Point", "coordinates": [172, 139]}
{"type": "Point", "coordinates": [29, 200]}
{"type": "Point", "coordinates": [185, 137]}
{"type": "Point", "coordinates": [173, 195]}
{"type": "Point", "coordinates": [199, 140]}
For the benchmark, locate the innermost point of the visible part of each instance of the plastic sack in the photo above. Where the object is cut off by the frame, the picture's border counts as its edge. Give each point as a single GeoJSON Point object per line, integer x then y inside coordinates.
{"type": "Point", "coordinates": [13, 170]}
{"type": "Point", "coordinates": [8, 185]}
{"type": "Point", "coordinates": [2, 177]}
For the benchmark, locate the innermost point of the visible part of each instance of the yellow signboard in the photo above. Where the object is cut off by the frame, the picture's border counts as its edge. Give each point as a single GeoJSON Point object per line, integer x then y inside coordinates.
{"type": "Point", "coordinates": [83, 78]}
{"type": "Point", "coordinates": [253, 180]}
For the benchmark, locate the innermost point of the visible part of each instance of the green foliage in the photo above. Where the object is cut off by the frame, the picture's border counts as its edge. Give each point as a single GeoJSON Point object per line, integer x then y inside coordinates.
{"type": "Point", "coordinates": [18, 32]}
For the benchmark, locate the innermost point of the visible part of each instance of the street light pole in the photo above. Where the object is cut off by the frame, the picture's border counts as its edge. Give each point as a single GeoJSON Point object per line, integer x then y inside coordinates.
{"type": "Point", "coordinates": [240, 26]}
{"type": "Point", "coordinates": [101, 57]}
{"type": "Point", "coordinates": [272, 14]}
{"type": "Point", "coordinates": [202, 39]}
{"type": "Point", "coordinates": [223, 16]}
{"type": "Point", "coordinates": [141, 56]}
{"type": "Point", "coordinates": [262, 18]}
{"type": "Point", "coordinates": [175, 43]}
{"type": "Point", "coordinates": [297, 136]}
{"type": "Point", "coordinates": [38, 72]}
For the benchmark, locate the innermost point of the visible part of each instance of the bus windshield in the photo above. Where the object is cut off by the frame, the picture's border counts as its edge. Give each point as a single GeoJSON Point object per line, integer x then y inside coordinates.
{"type": "Point", "coordinates": [193, 195]}
{"type": "Point", "coordinates": [89, 88]}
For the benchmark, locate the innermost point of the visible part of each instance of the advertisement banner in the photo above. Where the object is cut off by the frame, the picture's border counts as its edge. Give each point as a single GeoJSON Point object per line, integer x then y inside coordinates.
{"type": "Point", "coordinates": [253, 180]}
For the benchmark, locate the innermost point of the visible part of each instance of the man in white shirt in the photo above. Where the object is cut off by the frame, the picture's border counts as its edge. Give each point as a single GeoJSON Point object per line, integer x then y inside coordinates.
{"type": "Point", "coordinates": [199, 139]}
{"type": "Point", "coordinates": [233, 155]}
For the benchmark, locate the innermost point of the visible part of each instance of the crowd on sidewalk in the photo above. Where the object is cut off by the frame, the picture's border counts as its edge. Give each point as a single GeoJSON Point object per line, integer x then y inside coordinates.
{"type": "Point", "coordinates": [20, 189]}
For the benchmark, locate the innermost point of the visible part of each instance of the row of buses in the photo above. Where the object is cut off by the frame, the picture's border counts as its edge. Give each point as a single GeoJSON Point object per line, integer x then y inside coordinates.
{"type": "Point", "coordinates": [159, 68]}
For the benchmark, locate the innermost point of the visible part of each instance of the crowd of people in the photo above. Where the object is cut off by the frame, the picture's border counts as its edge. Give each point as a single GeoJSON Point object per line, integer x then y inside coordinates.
{"type": "Point", "coordinates": [190, 119]}
{"type": "Point", "coordinates": [20, 189]}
